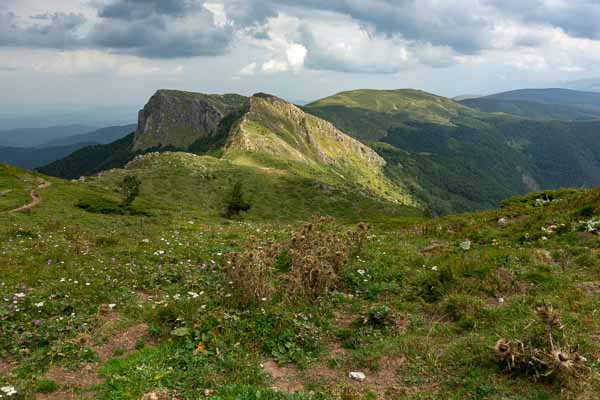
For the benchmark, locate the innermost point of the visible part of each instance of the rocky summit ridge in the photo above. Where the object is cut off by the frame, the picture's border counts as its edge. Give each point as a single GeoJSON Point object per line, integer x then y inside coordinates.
{"type": "Point", "coordinates": [261, 130]}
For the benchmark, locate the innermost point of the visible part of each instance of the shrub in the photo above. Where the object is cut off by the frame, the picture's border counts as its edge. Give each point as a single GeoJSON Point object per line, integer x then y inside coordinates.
{"type": "Point", "coordinates": [130, 189]}
{"type": "Point", "coordinates": [544, 352]}
{"type": "Point", "coordinates": [380, 316]}
{"type": "Point", "coordinates": [307, 266]}
{"type": "Point", "coordinates": [46, 386]}
{"type": "Point", "coordinates": [586, 211]}
{"type": "Point", "coordinates": [235, 202]}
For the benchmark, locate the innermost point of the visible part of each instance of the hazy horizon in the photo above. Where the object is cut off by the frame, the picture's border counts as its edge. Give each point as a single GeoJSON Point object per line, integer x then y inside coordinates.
{"type": "Point", "coordinates": [91, 54]}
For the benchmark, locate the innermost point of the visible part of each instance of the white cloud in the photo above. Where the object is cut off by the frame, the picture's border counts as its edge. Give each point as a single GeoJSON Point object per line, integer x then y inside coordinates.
{"type": "Point", "coordinates": [248, 70]}
{"type": "Point", "coordinates": [274, 66]}
{"type": "Point", "coordinates": [218, 11]}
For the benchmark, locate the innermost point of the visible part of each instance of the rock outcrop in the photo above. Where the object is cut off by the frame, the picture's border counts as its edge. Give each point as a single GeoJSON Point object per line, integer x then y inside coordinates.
{"type": "Point", "coordinates": [176, 119]}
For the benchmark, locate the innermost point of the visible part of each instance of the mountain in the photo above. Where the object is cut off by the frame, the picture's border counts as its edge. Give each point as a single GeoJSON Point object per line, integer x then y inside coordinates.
{"type": "Point", "coordinates": [33, 137]}
{"type": "Point", "coordinates": [33, 157]}
{"type": "Point", "coordinates": [368, 114]}
{"type": "Point", "coordinates": [262, 131]}
{"type": "Point", "coordinates": [17, 116]}
{"type": "Point", "coordinates": [99, 136]}
{"type": "Point", "coordinates": [453, 158]}
{"type": "Point", "coordinates": [561, 104]}
{"type": "Point", "coordinates": [585, 85]}
{"type": "Point", "coordinates": [30, 158]}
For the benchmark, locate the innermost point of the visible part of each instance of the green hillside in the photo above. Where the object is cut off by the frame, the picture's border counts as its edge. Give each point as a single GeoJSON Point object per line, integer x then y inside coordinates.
{"type": "Point", "coordinates": [261, 131]}
{"type": "Point", "coordinates": [168, 300]}
{"type": "Point", "coordinates": [531, 109]}
{"type": "Point", "coordinates": [454, 158]}
{"type": "Point", "coordinates": [368, 114]}
{"type": "Point", "coordinates": [547, 104]}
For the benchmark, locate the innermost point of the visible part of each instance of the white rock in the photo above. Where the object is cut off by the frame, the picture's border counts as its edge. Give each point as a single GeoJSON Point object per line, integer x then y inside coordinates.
{"type": "Point", "coordinates": [466, 245]}
{"type": "Point", "coordinates": [357, 376]}
{"type": "Point", "coordinates": [503, 221]}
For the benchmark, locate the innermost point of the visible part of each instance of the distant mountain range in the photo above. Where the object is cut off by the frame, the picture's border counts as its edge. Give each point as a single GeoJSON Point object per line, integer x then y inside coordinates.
{"type": "Point", "coordinates": [34, 137]}
{"type": "Point", "coordinates": [559, 104]}
{"type": "Point", "coordinates": [429, 150]}
{"type": "Point", "coordinates": [48, 151]}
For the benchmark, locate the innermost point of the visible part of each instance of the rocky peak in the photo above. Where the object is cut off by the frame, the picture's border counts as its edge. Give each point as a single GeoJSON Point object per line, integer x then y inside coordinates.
{"type": "Point", "coordinates": [176, 119]}
{"type": "Point", "coordinates": [285, 128]}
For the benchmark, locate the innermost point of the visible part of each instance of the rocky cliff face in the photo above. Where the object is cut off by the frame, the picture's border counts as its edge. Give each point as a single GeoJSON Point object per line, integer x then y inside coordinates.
{"type": "Point", "coordinates": [265, 131]}
{"type": "Point", "coordinates": [281, 129]}
{"type": "Point", "coordinates": [177, 119]}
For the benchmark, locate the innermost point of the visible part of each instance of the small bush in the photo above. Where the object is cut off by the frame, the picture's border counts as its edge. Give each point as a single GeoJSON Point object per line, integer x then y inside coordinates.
{"type": "Point", "coordinates": [235, 202]}
{"type": "Point", "coordinates": [586, 211]}
{"type": "Point", "coordinates": [380, 316]}
{"type": "Point", "coordinates": [102, 205]}
{"type": "Point", "coordinates": [545, 351]}
{"type": "Point", "coordinates": [308, 266]}
{"type": "Point", "coordinates": [130, 189]}
{"type": "Point", "coordinates": [46, 386]}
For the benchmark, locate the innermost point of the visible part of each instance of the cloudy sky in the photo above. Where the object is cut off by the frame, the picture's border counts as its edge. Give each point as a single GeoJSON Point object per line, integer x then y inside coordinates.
{"type": "Point", "coordinates": [89, 53]}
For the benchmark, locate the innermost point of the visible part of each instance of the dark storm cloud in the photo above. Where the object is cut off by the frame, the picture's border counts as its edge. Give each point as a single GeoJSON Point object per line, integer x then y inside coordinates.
{"type": "Point", "coordinates": [161, 31]}
{"type": "Point", "coordinates": [45, 31]}
{"type": "Point", "coordinates": [137, 9]}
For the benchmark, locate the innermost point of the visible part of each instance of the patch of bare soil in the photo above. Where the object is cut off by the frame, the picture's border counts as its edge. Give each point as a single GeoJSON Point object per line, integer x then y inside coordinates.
{"type": "Point", "coordinates": [385, 382]}
{"type": "Point", "coordinates": [435, 247]}
{"type": "Point", "coordinates": [5, 367]}
{"type": "Point", "coordinates": [84, 378]}
{"type": "Point", "coordinates": [35, 197]}
{"type": "Point", "coordinates": [285, 378]}
{"type": "Point", "coordinates": [124, 342]}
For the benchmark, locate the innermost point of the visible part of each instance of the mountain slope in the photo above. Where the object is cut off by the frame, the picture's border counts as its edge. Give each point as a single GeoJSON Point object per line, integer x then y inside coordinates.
{"type": "Point", "coordinates": [262, 131]}
{"type": "Point", "coordinates": [368, 114]}
{"type": "Point", "coordinates": [282, 305]}
{"type": "Point", "coordinates": [100, 136]}
{"type": "Point", "coordinates": [561, 104]}
{"type": "Point", "coordinates": [92, 159]}
{"type": "Point", "coordinates": [467, 159]}
{"type": "Point", "coordinates": [30, 158]}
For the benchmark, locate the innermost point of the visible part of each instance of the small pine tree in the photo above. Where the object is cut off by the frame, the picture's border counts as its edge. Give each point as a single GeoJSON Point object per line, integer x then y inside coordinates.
{"type": "Point", "coordinates": [130, 189]}
{"type": "Point", "coordinates": [235, 202]}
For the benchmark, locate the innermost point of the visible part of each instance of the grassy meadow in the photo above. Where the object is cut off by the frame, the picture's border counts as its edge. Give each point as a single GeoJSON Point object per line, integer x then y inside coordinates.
{"type": "Point", "coordinates": [166, 299]}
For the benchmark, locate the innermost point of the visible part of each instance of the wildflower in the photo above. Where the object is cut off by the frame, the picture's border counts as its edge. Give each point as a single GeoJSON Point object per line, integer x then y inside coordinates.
{"type": "Point", "coordinates": [361, 271]}
{"type": "Point", "coordinates": [434, 268]}
{"type": "Point", "coordinates": [193, 295]}
{"type": "Point", "coordinates": [49, 261]}
{"type": "Point", "coordinates": [8, 390]}
{"type": "Point", "coordinates": [37, 322]}
{"type": "Point", "coordinates": [39, 305]}
{"type": "Point", "coordinates": [466, 245]}
{"type": "Point", "coordinates": [111, 306]}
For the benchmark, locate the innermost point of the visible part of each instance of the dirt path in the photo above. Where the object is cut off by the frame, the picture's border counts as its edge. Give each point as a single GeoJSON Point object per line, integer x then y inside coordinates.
{"type": "Point", "coordinates": [35, 197]}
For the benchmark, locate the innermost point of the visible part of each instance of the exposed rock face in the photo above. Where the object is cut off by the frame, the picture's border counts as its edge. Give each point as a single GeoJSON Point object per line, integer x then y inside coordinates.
{"type": "Point", "coordinates": [177, 119]}
{"type": "Point", "coordinates": [278, 128]}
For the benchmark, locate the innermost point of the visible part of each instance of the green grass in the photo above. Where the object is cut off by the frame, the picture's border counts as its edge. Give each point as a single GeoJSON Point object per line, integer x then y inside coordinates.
{"type": "Point", "coordinates": [414, 311]}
